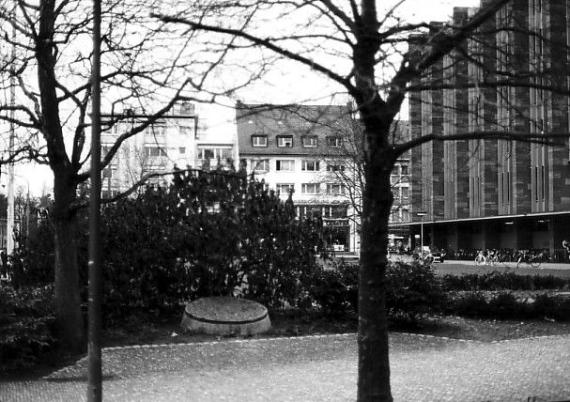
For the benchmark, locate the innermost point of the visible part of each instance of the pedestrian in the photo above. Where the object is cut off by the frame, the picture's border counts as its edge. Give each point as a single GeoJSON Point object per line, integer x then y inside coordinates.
{"type": "Point", "coordinates": [566, 246]}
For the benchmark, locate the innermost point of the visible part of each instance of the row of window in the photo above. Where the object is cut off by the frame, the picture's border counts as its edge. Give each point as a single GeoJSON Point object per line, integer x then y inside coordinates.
{"type": "Point", "coordinates": [263, 165]}
{"type": "Point", "coordinates": [311, 188]}
{"type": "Point", "coordinates": [286, 141]}
{"type": "Point", "coordinates": [325, 211]}
{"type": "Point", "coordinates": [222, 153]}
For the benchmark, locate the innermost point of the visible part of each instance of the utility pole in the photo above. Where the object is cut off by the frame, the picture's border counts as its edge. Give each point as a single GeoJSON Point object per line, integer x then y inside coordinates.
{"type": "Point", "coordinates": [95, 377]}
{"type": "Point", "coordinates": [10, 196]}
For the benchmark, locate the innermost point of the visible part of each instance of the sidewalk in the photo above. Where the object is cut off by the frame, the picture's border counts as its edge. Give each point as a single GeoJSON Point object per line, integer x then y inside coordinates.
{"type": "Point", "coordinates": [317, 368]}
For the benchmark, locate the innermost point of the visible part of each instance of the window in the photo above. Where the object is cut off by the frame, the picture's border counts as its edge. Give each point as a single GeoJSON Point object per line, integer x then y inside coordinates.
{"type": "Point", "coordinates": [259, 140]}
{"type": "Point", "coordinates": [206, 153]}
{"type": "Point", "coordinates": [335, 142]}
{"type": "Point", "coordinates": [285, 165]}
{"type": "Point", "coordinates": [335, 168]}
{"type": "Point", "coordinates": [335, 189]}
{"type": "Point", "coordinates": [182, 150]}
{"type": "Point", "coordinates": [285, 141]}
{"type": "Point", "coordinates": [222, 153]}
{"type": "Point", "coordinates": [314, 211]}
{"type": "Point", "coordinates": [405, 170]}
{"type": "Point", "coordinates": [285, 189]}
{"type": "Point", "coordinates": [310, 165]}
{"type": "Point", "coordinates": [310, 141]}
{"type": "Point", "coordinates": [260, 165]}
{"type": "Point", "coordinates": [157, 129]}
{"type": "Point", "coordinates": [310, 188]}
{"type": "Point", "coordinates": [154, 151]}
{"type": "Point", "coordinates": [405, 192]}
{"type": "Point", "coordinates": [186, 131]}
{"type": "Point", "coordinates": [336, 211]}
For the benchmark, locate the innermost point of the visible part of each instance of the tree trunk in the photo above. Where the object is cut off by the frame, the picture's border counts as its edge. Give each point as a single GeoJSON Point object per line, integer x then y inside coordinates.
{"type": "Point", "coordinates": [373, 353]}
{"type": "Point", "coordinates": [69, 322]}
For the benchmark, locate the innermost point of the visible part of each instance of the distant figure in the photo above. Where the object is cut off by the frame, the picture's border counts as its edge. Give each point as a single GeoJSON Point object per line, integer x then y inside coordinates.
{"type": "Point", "coordinates": [480, 258]}
{"type": "Point", "coordinates": [566, 246]}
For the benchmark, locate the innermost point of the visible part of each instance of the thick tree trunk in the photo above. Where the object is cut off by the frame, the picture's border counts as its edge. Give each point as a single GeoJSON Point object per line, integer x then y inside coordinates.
{"type": "Point", "coordinates": [69, 322]}
{"type": "Point", "coordinates": [373, 352]}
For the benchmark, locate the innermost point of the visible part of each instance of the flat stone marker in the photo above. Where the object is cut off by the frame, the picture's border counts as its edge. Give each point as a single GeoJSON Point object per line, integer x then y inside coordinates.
{"type": "Point", "coordinates": [225, 316]}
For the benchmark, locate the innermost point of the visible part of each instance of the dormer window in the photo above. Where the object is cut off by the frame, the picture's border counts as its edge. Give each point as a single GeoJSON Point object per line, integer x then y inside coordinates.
{"type": "Point", "coordinates": [259, 140]}
{"type": "Point", "coordinates": [335, 142]}
{"type": "Point", "coordinates": [285, 141]}
{"type": "Point", "coordinates": [310, 141]}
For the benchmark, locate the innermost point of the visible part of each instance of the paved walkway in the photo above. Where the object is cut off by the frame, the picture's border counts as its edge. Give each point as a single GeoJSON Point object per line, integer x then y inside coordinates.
{"type": "Point", "coordinates": [317, 368]}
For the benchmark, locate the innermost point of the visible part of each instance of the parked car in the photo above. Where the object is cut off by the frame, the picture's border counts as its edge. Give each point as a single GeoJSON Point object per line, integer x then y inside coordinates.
{"type": "Point", "coordinates": [438, 255]}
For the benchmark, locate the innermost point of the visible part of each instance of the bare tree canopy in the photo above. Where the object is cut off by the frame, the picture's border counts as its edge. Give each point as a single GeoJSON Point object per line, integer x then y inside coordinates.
{"type": "Point", "coordinates": [45, 62]}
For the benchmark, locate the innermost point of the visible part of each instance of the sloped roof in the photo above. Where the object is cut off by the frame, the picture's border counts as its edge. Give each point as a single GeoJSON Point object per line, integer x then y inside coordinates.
{"type": "Point", "coordinates": [296, 120]}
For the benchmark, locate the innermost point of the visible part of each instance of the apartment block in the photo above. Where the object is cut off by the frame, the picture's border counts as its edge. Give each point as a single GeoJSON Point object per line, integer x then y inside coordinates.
{"type": "Point", "coordinates": [308, 152]}
{"type": "Point", "coordinates": [185, 137]}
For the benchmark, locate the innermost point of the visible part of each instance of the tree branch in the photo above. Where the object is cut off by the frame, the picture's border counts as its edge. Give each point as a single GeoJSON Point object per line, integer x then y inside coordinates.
{"type": "Point", "coordinates": [267, 43]}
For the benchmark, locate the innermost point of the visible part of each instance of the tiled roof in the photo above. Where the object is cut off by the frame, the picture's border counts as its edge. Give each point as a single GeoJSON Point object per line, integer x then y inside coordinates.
{"type": "Point", "coordinates": [297, 121]}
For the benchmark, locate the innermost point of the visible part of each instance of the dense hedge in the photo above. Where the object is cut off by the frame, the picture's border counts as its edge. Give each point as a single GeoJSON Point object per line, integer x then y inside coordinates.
{"type": "Point", "coordinates": [412, 290]}
{"type": "Point", "coordinates": [26, 326]}
{"type": "Point", "coordinates": [503, 281]}
{"type": "Point", "coordinates": [505, 305]}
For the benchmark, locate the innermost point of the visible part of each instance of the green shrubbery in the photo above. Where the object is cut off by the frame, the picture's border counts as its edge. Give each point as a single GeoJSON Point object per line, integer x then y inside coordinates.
{"type": "Point", "coordinates": [503, 281]}
{"type": "Point", "coordinates": [26, 332]}
{"type": "Point", "coordinates": [209, 233]}
{"type": "Point", "coordinates": [412, 291]}
{"type": "Point", "coordinates": [505, 305]}
{"type": "Point", "coordinates": [335, 290]}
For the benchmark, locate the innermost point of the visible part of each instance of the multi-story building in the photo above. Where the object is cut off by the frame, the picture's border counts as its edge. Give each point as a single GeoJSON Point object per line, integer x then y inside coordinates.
{"type": "Point", "coordinates": [496, 193]}
{"type": "Point", "coordinates": [304, 150]}
{"type": "Point", "coordinates": [401, 187]}
{"type": "Point", "coordinates": [216, 138]}
{"type": "Point", "coordinates": [179, 138]}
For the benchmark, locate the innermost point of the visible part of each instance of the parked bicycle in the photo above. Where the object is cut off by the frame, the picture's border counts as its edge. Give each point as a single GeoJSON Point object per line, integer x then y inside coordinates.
{"type": "Point", "coordinates": [480, 259]}
{"type": "Point", "coordinates": [534, 259]}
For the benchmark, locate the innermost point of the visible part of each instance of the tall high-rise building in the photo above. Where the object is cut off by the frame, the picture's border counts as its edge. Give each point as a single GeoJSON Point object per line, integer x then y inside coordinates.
{"type": "Point", "coordinates": [512, 77]}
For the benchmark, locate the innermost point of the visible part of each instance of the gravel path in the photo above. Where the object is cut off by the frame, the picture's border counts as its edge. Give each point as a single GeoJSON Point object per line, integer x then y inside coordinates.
{"type": "Point", "coordinates": [317, 368]}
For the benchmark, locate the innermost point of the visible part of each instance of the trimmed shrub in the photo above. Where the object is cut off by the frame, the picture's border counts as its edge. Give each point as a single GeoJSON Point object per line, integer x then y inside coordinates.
{"type": "Point", "coordinates": [26, 326]}
{"type": "Point", "coordinates": [470, 305]}
{"type": "Point", "coordinates": [505, 305]}
{"type": "Point", "coordinates": [503, 281]}
{"type": "Point", "coordinates": [330, 291]}
{"type": "Point", "coordinates": [412, 291]}
{"type": "Point", "coordinates": [335, 289]}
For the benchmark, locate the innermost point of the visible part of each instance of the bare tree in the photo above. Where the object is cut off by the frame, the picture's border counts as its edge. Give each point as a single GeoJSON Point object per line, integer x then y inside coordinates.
{"type": "Point", "coordinates": [46, 57]}
{"type": "Point", "coordinates": [377, 58]}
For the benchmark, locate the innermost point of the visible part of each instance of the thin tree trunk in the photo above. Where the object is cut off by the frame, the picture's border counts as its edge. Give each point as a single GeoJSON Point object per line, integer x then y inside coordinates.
{"type": "Point", "coordinates": [373, 351]}
{"type": "Point", "coordinates": [69, 322]}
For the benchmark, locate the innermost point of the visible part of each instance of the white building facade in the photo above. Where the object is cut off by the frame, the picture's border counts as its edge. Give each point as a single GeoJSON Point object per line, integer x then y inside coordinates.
{"type": "Point", "coordinates": [180, 138]}
{"type": "Point", "coordinates": [300, 149]}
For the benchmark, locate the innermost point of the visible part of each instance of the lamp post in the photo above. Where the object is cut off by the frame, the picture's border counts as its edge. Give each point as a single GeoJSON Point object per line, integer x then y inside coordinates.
{"type": "Point", "coordinates": [421, 214]}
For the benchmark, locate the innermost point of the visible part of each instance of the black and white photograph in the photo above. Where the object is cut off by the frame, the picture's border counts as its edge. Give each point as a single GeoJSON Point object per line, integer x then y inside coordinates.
{"type": "Point", "coordinates": [285, 200]}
